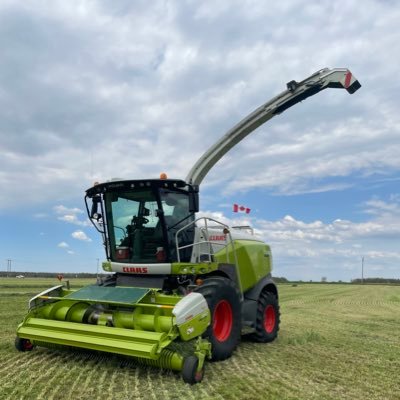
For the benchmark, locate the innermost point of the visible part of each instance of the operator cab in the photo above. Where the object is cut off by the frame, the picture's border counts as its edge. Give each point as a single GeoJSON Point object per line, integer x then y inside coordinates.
{"type": "Point", "coordinates": [139, 218]}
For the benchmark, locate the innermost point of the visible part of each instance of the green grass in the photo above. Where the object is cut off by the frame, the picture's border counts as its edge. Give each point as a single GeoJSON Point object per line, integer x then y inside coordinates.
{"type": "Point", "coordinates": [335, 342]}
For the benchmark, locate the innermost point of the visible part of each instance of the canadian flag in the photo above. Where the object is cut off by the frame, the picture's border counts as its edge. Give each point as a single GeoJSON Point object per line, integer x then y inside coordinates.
{"type": "Point", "coordinates": [241, 209]}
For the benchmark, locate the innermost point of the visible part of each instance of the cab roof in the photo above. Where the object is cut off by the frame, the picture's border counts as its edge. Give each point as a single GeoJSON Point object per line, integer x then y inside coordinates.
{"type": "Point", "coordinates": [126, 185]}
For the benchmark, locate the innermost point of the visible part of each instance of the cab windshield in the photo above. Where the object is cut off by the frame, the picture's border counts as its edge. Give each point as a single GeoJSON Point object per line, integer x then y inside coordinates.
{"type": "Point", "coordinates": [142, 224]}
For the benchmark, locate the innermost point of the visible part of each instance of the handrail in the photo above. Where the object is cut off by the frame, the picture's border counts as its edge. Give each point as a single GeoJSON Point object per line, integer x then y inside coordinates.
{"type": "Point", "coordinates": [226, 231]}
{"type": "Point", "coordinates": [209, 242]}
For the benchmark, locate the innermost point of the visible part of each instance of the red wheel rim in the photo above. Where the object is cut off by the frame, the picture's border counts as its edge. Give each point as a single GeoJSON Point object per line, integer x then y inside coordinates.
{"type": "Point", "coordinates": [269, 319]}
{"type": "Point", "coordinates": [198, 376]}
{"type": "Point", "coordinates": [27, 345]}
{"type": "Point", "coordinates": [222, 321]}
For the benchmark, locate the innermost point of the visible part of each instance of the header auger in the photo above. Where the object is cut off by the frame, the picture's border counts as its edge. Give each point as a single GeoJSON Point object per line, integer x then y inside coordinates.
{"type": "Point", "coordinates": [174, 278]}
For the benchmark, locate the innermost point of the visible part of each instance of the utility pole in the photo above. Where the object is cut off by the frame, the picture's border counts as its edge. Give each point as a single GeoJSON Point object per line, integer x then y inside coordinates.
{"type": "Point", "coordinates": [362, 269]}
{"type": "Point", "coordinates": [97, 270]}
{"type": "Point", "coordinates": [8, 266]}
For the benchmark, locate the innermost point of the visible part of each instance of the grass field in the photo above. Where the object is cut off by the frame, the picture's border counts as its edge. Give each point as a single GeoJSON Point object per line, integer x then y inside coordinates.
{"type": "Point", "coordinates": [335, 342]}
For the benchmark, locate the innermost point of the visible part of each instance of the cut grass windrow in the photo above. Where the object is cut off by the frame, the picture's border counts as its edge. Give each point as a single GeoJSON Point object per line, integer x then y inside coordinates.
{"type": "Point", "coordinates": [335, 341]}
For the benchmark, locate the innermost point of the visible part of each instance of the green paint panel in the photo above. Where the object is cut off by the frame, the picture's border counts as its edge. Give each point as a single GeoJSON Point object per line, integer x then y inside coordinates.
{"type": "Point", "coordinates": [254, 259]}
{"type": "Point", "coordinates": [128, 295]}
{"type": "Point", "coordinates": [128, 342]}
{"type": "Point", "coordinates": [113, 340]}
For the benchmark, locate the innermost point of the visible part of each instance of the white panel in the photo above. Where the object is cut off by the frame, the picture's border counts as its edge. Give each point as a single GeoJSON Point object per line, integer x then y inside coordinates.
{"type": "Point", "coordinates": [46, 292]}
{"type": "Point", "coordinates": [144, 269]}
{"type": "Point", "coordinates": [191, 305]}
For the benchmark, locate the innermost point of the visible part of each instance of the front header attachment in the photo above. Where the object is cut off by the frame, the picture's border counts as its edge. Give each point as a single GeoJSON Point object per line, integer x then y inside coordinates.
{"type": "Point", "coordinates": [340, 78]}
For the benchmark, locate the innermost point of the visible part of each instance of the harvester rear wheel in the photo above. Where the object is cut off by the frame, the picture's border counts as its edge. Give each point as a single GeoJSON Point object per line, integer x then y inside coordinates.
{"type": "Point", "coordinates": [224, 303]}
{"type": "Point", "coordinates": [189, 372]}
{"type": "Point", "coordinates": [23, 344]}
{"type": "Point", "coordinates": [267, 319]}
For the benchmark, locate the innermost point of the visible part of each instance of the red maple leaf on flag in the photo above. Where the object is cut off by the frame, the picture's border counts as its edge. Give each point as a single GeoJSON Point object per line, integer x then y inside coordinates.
{"type": "Point", "coordinates": [241, 209]}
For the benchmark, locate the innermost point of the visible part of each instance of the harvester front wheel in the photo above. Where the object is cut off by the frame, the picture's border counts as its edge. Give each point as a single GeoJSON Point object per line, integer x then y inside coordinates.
{"type": "Point", "coordinates": [224, 303]}
{"type": "Point", "coordinates": [190, 374]}
{"type": "Point", "coordinates": [267, 320]}
{"type": "Point", "coordinates": [23, 344]}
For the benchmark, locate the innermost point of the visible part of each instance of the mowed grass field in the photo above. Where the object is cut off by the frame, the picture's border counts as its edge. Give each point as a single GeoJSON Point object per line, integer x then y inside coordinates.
{"type": "Point", "coordinates": [335, 342]}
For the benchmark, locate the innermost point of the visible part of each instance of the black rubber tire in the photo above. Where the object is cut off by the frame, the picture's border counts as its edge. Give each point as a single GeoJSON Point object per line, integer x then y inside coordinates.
{"type": "Point", "coordinates": [189, 372]}
{"type": "Point", "coordinates": [23, 344]}
{"type": "Point", "coordinates": [267, 318]}
{"type": "Point", "coordinates": [222, 295]}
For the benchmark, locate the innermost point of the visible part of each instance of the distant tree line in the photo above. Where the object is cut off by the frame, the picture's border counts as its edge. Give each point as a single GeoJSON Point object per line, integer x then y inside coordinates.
{"type": "Point", "coordinates": [277, 279]}
{"type": "Point", "coordinates": [65, 275]}
{"type": "Point", "coordinates": [376, 280]}
{"type": "Point", "coordinates": [280, 279]}
{"type": "Point", "coordinates": [358, 281]}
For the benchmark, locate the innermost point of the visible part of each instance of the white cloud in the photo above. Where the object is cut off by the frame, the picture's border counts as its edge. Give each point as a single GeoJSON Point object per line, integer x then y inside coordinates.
{"type": "Point", "coordinates": [40, 215]}
{"type": "Point", "coordinates": [80, 235]}
{"type": "Point", "coordinates": [306, 250]}
{"type": "Point", "coordinates": [189, 74]}
{"type": "Point", "coordinates": [63, 245]}
{"type": "Point", "coordinates": [70, 215]}
{"type": "Point", "coordinates": [73, 219]}
{"type": "Point", "coordinates": [382, 208]}
{"type": "Point", "coordinates": [60, 209]}
{"type": "Point", "coordinates": [131, 90]}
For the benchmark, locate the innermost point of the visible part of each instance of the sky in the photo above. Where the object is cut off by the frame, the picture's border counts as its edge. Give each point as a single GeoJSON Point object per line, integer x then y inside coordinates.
{"type": "Point", "coordinates": [93, 90]}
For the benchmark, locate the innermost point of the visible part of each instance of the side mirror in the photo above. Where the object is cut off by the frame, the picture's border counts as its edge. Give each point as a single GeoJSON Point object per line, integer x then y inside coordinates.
{"type": "Point", "coordinates": [94, 212]}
